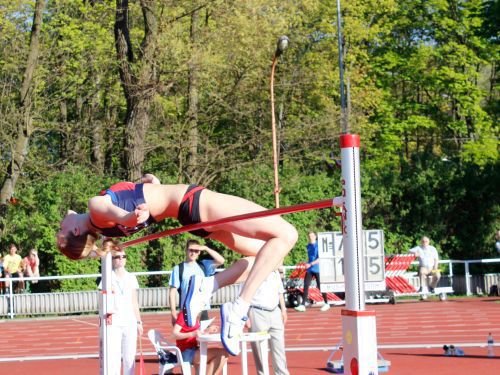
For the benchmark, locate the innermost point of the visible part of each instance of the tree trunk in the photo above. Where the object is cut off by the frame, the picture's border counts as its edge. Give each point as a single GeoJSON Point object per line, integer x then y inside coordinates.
{"type": "Point", "coordinates": [24, 120]}
{"type": "Point", "coordinates": [138, 80]}
{"type": "Point", "coordinates": [193, 103]}
{"type": "Point", "coordinates": [135, 134]}
{"type": "Point", "coordinates": [97, 156]}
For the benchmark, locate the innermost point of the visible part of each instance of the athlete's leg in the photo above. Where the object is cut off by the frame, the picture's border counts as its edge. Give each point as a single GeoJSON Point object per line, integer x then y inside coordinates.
{"type": "Point", "coordinates": [277, 236]}
{"type": "Point", "coordinates": [200, 289]}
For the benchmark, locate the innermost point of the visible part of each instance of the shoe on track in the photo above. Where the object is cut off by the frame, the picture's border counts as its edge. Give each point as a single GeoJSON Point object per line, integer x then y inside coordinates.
{"type": "Point", "coordinates": [197, 297]}
{"type": "Point", "coordinates": [231, 328]}
{"type": "Point", "coordinates": [325, 307]}
{"type": "Point", "coordinates": [300, 308]}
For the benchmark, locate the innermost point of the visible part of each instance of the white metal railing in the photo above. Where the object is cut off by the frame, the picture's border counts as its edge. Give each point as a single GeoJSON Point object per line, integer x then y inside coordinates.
{"type": "Point", "coordinates": [12, 297]}
{"type": "Point", "coordinates": [12, 304]}
{"type": "Point", "coordinates": [466, 263]}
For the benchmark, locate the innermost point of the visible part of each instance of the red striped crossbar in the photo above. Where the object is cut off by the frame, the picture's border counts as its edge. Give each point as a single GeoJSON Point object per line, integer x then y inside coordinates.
{"type": "Point", "coordinates": [399, 284]}
{"type": "Point", "coordinates": [316, 295]}
{"type": "Point", "coordinates": [405, 285]}
{"type": "Point", "coordinates": [299, 272]}
{"type": "Point", "coordinates": [398, 264]}
{"type": "Point", "coordinates": [325, 203]}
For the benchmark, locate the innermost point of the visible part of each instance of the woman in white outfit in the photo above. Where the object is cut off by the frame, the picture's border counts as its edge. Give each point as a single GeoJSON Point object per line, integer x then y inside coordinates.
{"type": "Point", "coordinates": [126, 320]}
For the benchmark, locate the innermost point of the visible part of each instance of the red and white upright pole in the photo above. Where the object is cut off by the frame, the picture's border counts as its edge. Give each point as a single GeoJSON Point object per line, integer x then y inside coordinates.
{"type": "Point", "coordinates": [106, 308]}
{"type": "Point", "coordinates": [359, 333]}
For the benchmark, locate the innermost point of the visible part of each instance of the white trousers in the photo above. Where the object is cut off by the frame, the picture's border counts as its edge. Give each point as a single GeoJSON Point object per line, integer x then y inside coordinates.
{"type": "Point", "coordinates": [122, 348]}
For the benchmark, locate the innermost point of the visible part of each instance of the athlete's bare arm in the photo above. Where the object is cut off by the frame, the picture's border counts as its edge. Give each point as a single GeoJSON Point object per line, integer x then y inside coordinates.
{"type": "Point", "coordinates": [105, 214]}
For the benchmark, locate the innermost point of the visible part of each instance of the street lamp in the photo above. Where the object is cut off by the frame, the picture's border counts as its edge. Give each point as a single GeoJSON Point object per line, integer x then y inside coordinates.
{"type": "Point", "coordinates": [283, 43]}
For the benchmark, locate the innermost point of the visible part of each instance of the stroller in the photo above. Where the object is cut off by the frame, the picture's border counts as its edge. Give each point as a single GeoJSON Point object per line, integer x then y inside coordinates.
{"type": "Point", "coordinates": [294, 289]}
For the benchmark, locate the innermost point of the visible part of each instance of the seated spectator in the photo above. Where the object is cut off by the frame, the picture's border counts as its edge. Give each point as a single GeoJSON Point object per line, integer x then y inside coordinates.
{"type": "Point", "coordinates": [13, 267]}
{"type": "Point", "coordinates": [31, 265]}
{"type": "Point", "coordinates": [428, 260]}
{"type": "Point", "coordinates": [186, 341]}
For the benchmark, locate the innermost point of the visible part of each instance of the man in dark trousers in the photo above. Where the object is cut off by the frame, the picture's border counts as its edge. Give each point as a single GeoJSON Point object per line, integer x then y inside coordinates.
{"type": "Point", "coordinates": [312, 267]}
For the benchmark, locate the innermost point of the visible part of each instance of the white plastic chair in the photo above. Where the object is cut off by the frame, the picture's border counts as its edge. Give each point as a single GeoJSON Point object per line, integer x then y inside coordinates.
{"type": "Point", "coordinates": [159, 342]}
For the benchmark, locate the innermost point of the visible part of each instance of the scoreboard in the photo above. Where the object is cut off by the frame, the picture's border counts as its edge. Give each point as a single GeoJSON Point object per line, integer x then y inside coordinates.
{"type": "Point", "coordinates": [331, 261]}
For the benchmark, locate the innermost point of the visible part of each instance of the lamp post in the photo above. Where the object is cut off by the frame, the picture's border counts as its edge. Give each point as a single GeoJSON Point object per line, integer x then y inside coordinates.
{"type": "Point", "coordinates": [283, 43]}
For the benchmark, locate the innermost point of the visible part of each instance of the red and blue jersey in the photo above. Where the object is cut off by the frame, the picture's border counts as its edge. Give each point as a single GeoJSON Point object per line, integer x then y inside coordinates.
{"type": "Point", "coordinates": [127, 196]}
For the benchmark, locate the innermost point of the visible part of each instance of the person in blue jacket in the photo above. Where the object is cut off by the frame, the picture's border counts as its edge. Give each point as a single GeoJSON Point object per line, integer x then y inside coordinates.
{"type": "Point", "coordinates": [312, 267]}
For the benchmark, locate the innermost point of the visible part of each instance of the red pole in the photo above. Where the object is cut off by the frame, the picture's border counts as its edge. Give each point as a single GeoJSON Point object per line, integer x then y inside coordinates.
{"type": "Point", "coordinates": [251, 215]}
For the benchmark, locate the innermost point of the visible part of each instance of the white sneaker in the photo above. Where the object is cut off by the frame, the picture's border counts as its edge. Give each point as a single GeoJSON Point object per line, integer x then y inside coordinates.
{"type": "Point", "coordinates": [231, 328]}
{"type": "Point", "coordinates": [197, 297]}
{"type": "Point", "coordinates": [325, 307]}
{"type": "Point", "coordinates": [300, 308]}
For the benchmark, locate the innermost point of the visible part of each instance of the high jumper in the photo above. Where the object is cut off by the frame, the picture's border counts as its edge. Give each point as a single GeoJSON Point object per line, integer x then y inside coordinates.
{"type": "Point", "coordinates": [126, 208]}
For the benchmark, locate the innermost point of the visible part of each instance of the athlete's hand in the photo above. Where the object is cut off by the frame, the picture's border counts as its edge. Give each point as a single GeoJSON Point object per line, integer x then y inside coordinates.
{"type": "Point", "coordinates": [141, 213]}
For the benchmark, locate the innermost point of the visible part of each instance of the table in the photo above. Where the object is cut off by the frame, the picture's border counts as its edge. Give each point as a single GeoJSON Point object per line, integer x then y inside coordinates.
{"type": "Point", "coordinates": [260, 337]}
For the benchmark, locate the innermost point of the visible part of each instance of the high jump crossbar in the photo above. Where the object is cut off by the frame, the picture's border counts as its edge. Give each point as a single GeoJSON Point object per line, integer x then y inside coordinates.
{"type": "Point", "coordinates": [325, 203]}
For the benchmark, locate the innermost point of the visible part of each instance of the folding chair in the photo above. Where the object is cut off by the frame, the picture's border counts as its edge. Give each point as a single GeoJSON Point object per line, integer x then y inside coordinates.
{"type": "Point", "coordinates": [161, 344]}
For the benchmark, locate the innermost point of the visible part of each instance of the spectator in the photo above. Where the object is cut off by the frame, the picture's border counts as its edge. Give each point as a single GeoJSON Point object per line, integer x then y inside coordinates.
{"type": "Point", "coordinates": [31, 265]}
{"type": "Point", "coordinates": [497, 243]}
{"type": "Point", "coordinates": [126, 321]}
{"type": "Point", "coordinates": [312, 268]}
{"type": "Point", "coordinates": [186, 341]}
{"type": "Point", "coordinates": [179, 280]}
{"type": "Point", "coordinates": [13, 267]}
{"type": "Point", "coordinates": [268, 313]}
{"type": "Point", "coordinates": [428, 260]}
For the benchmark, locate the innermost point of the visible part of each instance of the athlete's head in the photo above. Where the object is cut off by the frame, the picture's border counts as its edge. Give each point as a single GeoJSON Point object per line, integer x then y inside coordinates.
{"type": "Point", "coordinates": [72, 241]}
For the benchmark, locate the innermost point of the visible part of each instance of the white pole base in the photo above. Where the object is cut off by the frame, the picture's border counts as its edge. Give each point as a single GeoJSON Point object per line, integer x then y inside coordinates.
{"type": "Point", "coordinates": [360, 342]}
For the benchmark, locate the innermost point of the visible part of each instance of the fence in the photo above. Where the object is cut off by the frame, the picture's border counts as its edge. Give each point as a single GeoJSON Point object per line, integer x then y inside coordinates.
{"type": "Point", "coordinates": [12, 305]}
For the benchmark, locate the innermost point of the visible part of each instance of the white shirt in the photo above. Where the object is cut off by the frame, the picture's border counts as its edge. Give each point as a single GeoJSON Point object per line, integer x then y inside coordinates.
{"type": "Point", "coordinates": [268, 294]}
{"type": "Point", "coordinates": [426, 255]}
{"type": "Point", "coordinates": [123, 312]}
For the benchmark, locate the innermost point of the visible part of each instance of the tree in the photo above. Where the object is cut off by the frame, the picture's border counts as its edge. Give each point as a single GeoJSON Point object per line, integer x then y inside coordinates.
{"type": "Point", "coordinates": [139, 79]}
{"type": "Point", "coordinates": [22, 115]}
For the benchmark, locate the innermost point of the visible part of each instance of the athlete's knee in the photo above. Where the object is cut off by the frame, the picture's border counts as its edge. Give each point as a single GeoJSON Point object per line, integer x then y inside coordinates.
{"type": "Point", "coordinates": [290, 236]}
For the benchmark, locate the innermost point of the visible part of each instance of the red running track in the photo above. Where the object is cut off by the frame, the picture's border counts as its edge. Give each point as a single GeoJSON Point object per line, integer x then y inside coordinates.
{"type": "Point", "coordinates": [405, 332]}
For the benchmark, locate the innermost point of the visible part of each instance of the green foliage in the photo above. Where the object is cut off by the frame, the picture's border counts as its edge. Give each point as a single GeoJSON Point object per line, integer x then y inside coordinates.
{"type": "Point", "coordinates": [422, 80]}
